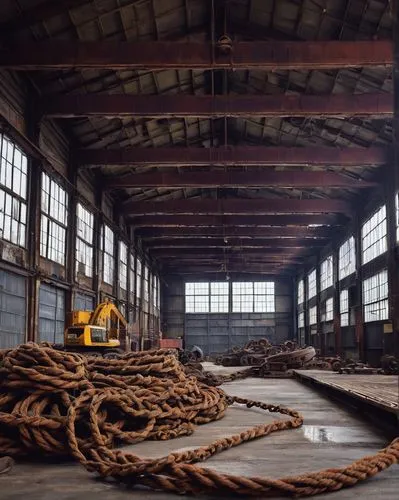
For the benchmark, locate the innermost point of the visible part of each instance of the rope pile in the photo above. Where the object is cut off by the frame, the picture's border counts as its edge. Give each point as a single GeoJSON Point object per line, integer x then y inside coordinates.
{"type": "Point", "coordinates": [58, 403]}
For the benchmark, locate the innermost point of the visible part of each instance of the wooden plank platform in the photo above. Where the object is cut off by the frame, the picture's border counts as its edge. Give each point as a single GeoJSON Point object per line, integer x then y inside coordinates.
{"type": "Point", "coordinates": [381, 391]}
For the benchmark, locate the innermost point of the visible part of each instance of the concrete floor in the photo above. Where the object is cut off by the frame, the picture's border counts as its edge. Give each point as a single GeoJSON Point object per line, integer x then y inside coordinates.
{"type": "Point", "coordinates": [331, 437]}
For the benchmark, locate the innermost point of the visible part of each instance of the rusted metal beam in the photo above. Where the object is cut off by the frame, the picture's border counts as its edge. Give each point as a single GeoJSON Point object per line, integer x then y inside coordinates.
{"type": "Point", "coordinates": [231, 179]}
{"type": "Point", "coordinates": [233, 242]}
{"type": "Point", "coordinates": [245, 232]}
{"type": "Point", "coordinates": [300, 220]}
{"type": "Point", "coordinates": [235, 156]}
{"type": "Point", "coordinates": [191, 270]}
{"type": "Point", "coordinates": [72, 106]}
{"type": "Point", "coordinates": [55, 54]}
{"type": "Point", "coordinates": [219, 259]}
{"type": "Point", "coordinates": [235, 206]}
{"type": "Point", "coordinates": [284, 254]}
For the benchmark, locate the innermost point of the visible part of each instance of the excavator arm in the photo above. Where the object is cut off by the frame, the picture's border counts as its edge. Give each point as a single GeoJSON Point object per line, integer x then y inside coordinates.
{"type": "Point", "coordinates": [105, 313]}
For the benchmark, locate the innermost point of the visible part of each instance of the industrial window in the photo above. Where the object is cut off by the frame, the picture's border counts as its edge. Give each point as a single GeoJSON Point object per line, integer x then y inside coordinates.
{"type": "Point", "coordinates": [344, 307]}
{"type": "Point", "coordinates": [158, 302]}
{"type": "Point", "coordinates": [123, 265]}
{"type": "Point", "coordinates": [84, 241]}
{"type": "Point", "coordinates": [13, 192]}
{"type": "Point", "coordinates": [328, 310]}
{"type": "Point", "coordinates": [347, 258]}
{"type": "Point", "coordinates": [156, 292]}
{"type": "Point", "coordinates": [54, 207]}
{"type": "Point", "coordinates": [107, 247]}
{"type": "Point", "coordinates": [146, 289]}
{"type": "Point", "coordinates": [197, 297]}
{"type": "Point", "coordinates": [131, 274]}
{"type": "Point", "coordinates": [374, 236]}
{"type": "Point", "coordinates": [219, 298]}
{"type": "Point", "coordinates": [138, 278]}
{"type": "Point", "coordinates": [301, 292]}
{"type": "Point", "coordinates": [313, 316]}
{"type": "Point", "coordinates": [375, 297]}
{"type": "Point", "coordinates": [326, 273]}
{"type": "Point", "coordinates": [253, 297]}
{"type": "Point", "coordinates": [312, 288]}
{"type": "Point", "coordinates": [301, 320]}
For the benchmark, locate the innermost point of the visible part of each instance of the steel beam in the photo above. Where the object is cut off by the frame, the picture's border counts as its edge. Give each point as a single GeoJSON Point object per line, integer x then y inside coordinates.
{"type": "Point", "coordinates": [72, 106]}
{"type": "Point", "coordinates": [283, 253]}
{"type": "Point", "coordinates": [235, 156]}
{"type": "Point", "coordinates": [200, 270]}
{"type": "Point", "coordinates": [231, 179]}
{"type": "Point", "coordinates": [235, 206]}
{"type": "Point", "coordinates": [233, 242]}
{"type": "Point", "coordinates": [299, 220]}
{"type": "Point", "coordinates": [269, 55]}
{"type": "Point", "coordinates": [231, 232]}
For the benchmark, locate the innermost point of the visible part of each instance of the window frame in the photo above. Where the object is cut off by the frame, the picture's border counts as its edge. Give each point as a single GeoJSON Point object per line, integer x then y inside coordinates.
{"type": "Point", "coordinates": [197, 297]}
{"type": "Point", "coordinates": [53, 228]}
{"type": "Point", "coordinates": [312, 285]}
{"type": "Point", "coordinates": [381, 301]}
{"type": "Point", "coordinates": [344, 307]}
{"type": "Point", "coordinates": [300, 292]}
{"type": "Point", "coordinates": [327, 273]}
{"type": "Point", "coordinates": [310, 315]}
{"type": "Point", "coordinates": [248, 292]}
{"type": "Point", "coordinates": [108, 258]}
{"type": "Point", "coordinates": [139, 271]}
{"type": "Point", "coordinates": [347, 258]}
{"type": "Point", "coordinates": [123, 263]}
{"type": "Point", "coordinates": [17, 211]}
{"type": "Point", "coordinates": [378, 237]}
{"type": "Point", "coordinates": [84, 240]}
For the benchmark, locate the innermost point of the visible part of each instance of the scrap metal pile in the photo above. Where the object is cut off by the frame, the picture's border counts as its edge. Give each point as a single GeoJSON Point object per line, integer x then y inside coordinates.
{"type": "Point", "coordinates": [389, 366]}
{"type": "Point", "coordinates": [65, 404]}
{"type": "Point", "coordinates": [268, 358]}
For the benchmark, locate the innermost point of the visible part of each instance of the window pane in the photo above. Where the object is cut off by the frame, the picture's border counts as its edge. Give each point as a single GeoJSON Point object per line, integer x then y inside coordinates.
{"type": "Point", "coordinates": [374, 236]}
{"type": "Point", "coordinates": [312, 286]}
{"type": "Point", "coordinates": [375, 297]}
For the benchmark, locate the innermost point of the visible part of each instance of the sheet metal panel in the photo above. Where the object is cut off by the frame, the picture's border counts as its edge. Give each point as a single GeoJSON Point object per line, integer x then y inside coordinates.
{"type": "Point", "coordinates": [12, 309]}
{"type": "Point", "coordinates": [51, 314]}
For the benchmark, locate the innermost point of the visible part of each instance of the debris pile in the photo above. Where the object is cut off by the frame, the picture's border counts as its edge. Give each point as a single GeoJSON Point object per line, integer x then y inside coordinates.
{"type": "Point", "coordinates": [253, 353]}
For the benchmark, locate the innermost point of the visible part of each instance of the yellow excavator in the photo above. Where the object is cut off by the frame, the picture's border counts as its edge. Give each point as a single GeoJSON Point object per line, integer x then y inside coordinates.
{"type": "Point", "coordinates": [98, 332]}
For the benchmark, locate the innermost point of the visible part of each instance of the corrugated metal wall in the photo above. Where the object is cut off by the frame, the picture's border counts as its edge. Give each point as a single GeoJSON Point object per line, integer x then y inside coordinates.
{"type": "Point", "coordinates": [216, 333]}
{"type": "Point", "coordinates": [12, 309]}
{"type": "Point", "coordinates": [51, 314]}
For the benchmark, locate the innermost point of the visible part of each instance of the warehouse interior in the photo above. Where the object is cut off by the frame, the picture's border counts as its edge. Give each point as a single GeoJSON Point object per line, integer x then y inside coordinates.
{"type": "Point", "coordinates": [222, 171]}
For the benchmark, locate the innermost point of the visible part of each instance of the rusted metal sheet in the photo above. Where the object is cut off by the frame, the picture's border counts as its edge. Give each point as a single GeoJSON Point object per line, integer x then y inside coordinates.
{"type": "Point", "coordinates": [158, 55]}
{"type": "Point", "coordinates": [239, 155]}
{"type": "Point", "coordinates": [71, 106]}
{"type": "Point", "coordinates": [236, 179]}
{"type": "Point", "coordinates": [236, 206]}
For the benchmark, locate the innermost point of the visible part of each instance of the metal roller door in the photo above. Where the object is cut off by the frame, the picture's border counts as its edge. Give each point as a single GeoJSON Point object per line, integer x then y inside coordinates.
{"type": "Point", "coordinates": [12, 309]}
{"type": "Point", "coordinates": [51, 314]}
{"type": "Point", "coordinates": [83, 302]}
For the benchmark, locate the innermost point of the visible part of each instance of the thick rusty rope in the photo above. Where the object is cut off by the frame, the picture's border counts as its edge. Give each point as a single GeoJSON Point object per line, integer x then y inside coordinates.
{"type": "Point", "coordinates": [53, 402]}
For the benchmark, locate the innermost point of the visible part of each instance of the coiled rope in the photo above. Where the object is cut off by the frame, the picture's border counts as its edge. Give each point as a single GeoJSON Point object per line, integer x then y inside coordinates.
{"type": "Point", "coordinates": [53, 402]}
